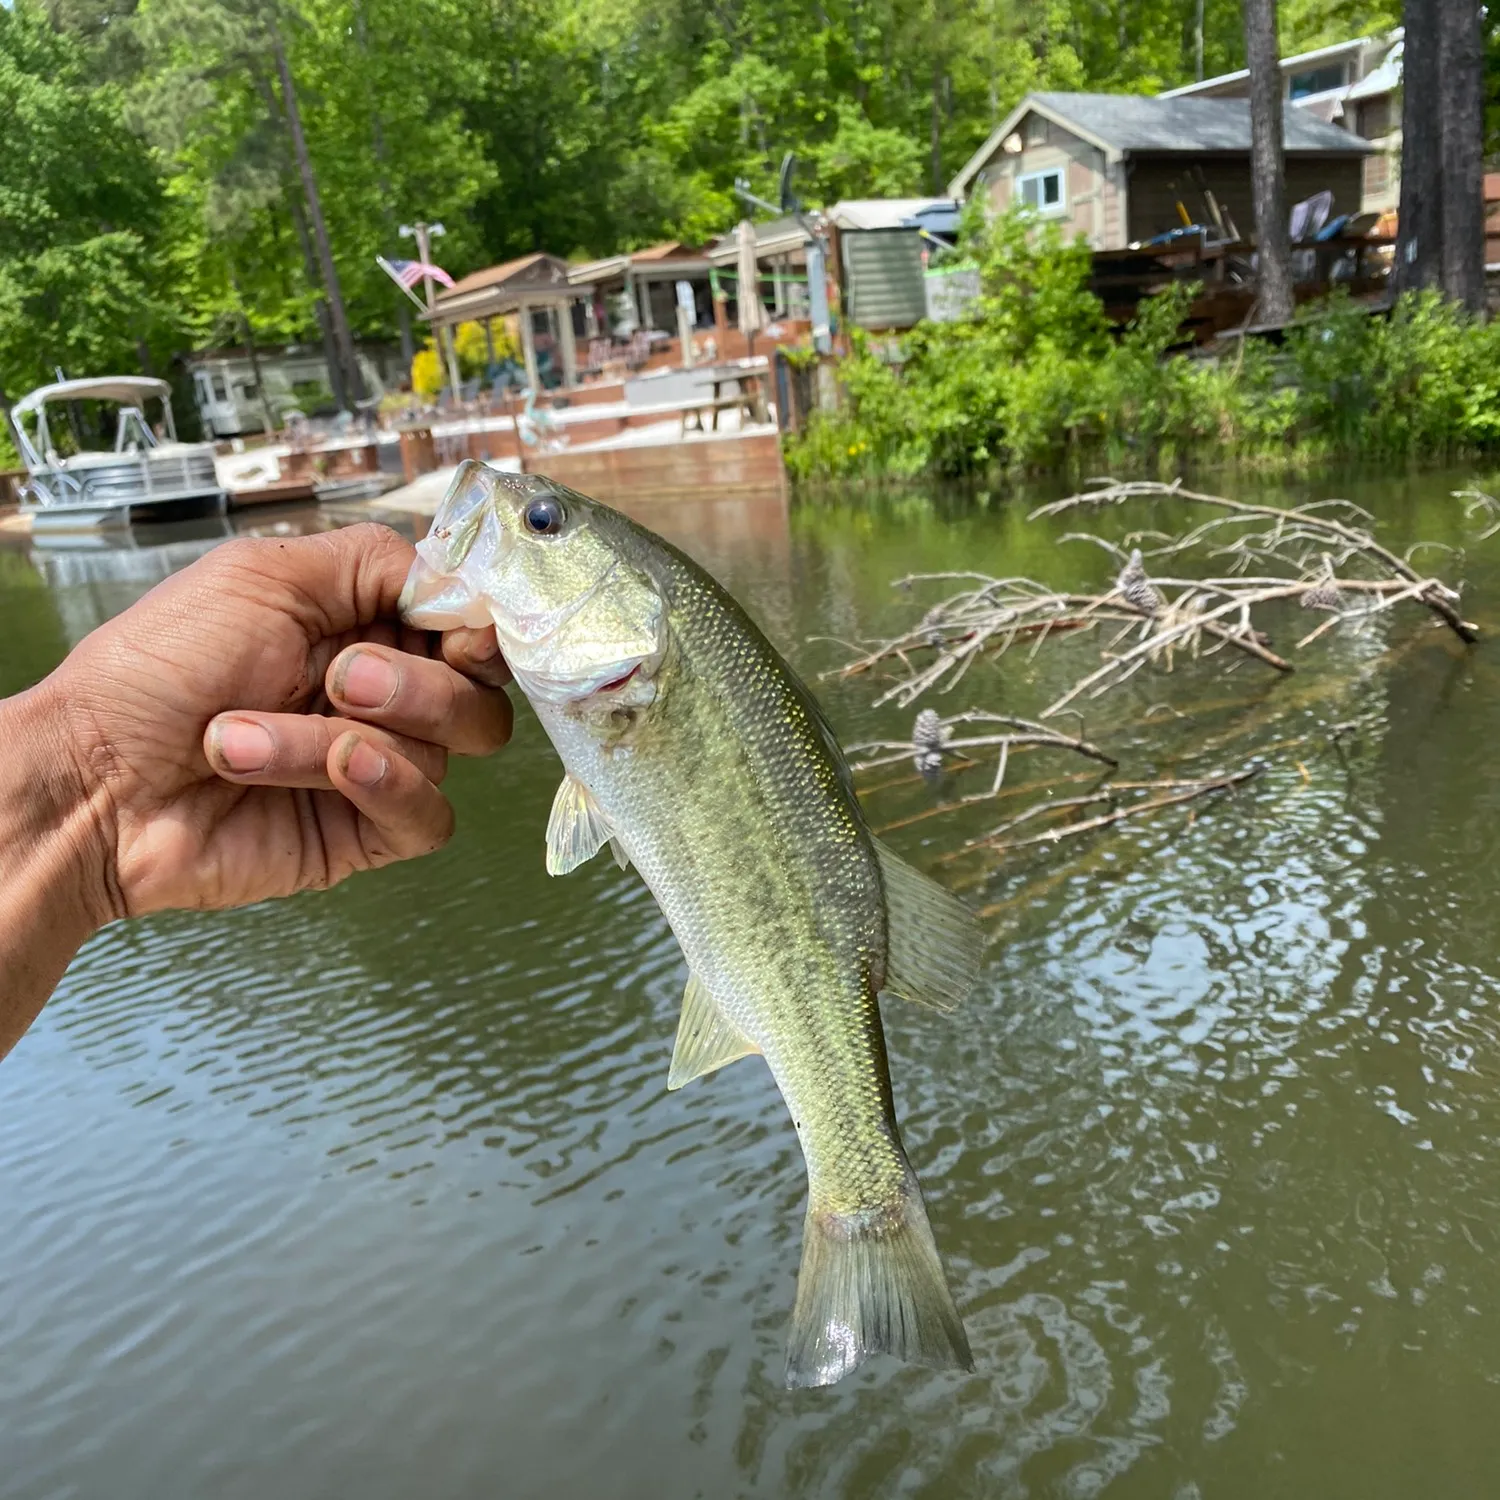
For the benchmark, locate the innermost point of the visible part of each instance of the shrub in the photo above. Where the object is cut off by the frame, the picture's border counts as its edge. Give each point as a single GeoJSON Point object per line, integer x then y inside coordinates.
{"type": "Point", "coordinates": [1034, 378]}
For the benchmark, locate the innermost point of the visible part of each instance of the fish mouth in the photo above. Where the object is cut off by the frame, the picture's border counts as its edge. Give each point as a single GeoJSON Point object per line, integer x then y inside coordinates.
{"type": "Point", "coordinates": [433, 600]}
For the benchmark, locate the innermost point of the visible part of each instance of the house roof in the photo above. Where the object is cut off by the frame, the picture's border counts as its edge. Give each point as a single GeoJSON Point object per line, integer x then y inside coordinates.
{"type": "Point", "coordinates": [773, 237]}
{"type": "Point", "coordinates": [881, 213]}
{"type": "Point", "coordinates": [537, 279]}
{"type": "Point", "coordinates": [666, 250]}
{"type": "Point", "coordinates": [1294, 64]}
{"type": "Point", "coordinates": [536, 265]}
{"type": "Point", "coordinates": [1123, 124]}
{"type": "Point", "coordinates": [671, 257]}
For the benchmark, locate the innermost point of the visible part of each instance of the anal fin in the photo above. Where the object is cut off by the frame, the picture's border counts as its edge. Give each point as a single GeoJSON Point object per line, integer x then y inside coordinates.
{"type": "Point", "coordinates": [706, 1039]}
{"type": "Point", "coordinates": [933, 944]}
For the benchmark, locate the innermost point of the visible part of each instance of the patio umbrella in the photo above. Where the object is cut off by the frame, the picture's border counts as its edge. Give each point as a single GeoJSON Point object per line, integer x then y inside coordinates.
{"type": "Point", "coordinates": [752, 316]}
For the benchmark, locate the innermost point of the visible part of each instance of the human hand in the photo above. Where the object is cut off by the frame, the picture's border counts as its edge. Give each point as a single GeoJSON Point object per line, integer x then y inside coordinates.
{"type": "Point", "coordinates": [261, 723]}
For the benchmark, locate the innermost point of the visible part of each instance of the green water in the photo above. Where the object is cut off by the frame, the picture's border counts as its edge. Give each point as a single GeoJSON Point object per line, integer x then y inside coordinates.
{"type": "Point", "coordinates": [379, 1193]}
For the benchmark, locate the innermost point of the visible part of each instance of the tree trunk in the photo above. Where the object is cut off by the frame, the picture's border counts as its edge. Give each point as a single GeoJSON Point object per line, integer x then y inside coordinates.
{"type": "Point", "coordinates": [274, 112]}
{"type": "Point", "coordinates": [320, 306]}
{"type": "Point", "coordinates": [1268, 164]}
{"type": "Point", "coordinates": [383, 183]}
{"type": "Point", "coordinates": [1461, 69]}
{"type": "Point", "coordinates": [267, 416]}
{"type": "Point", "coordinates": [343, 342]}
{"type": "Point", "coordinates": [1419, 247]}
{"type": "Point", "coordinates": [935, 130]}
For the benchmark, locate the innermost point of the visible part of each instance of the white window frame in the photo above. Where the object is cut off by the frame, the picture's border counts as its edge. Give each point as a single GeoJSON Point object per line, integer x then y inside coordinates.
{"type": "Point", "coordinates": [1046, 210]}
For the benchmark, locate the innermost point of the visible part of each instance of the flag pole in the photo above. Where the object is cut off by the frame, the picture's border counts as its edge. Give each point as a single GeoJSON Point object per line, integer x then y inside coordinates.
{"type": "Point", "coordinates": [405, 290]}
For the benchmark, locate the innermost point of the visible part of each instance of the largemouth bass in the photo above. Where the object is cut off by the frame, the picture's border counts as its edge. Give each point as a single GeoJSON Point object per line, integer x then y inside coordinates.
{"type": "Point", "coordinates": [694, 750]}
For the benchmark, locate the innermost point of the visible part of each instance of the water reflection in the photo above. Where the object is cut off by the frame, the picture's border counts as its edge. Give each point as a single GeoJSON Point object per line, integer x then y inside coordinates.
{"type": "Point", "coordinates": [380, 1191]}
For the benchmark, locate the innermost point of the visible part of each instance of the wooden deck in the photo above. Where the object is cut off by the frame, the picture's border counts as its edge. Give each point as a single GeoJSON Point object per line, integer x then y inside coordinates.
{"type": "Point", "coordinates": [1226, 278]}
{"type": "Point", "coordinates": [723, 464]}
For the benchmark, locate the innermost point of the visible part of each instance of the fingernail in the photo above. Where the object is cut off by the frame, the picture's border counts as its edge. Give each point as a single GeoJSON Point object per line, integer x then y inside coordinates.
{"type": "Point", "coordinates": [243, 746]}
{"type": "Point", "coordinates": [365, 681]}
{"type": "Point", "coordinates": [361, 762]}
{"type": "Point", "coordinates": [482, 645]}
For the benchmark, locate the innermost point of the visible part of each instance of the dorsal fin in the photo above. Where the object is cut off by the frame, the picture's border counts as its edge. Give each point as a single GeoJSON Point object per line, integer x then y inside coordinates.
{"type": "Point", "coordinates": [933, 944]}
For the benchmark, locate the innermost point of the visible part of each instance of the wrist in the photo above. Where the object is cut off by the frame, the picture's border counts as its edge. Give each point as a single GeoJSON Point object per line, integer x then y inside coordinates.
{"type": "Point", "coordinates": [53, 821]}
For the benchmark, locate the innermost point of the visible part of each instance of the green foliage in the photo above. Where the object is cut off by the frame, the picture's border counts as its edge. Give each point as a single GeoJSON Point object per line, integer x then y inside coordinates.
{"type": "Point", "coordinates": [1033, 380]}
{"type": "Point", "coordinates": [149, 201]}
{"type": "Point", "coordinates": [81, 212]}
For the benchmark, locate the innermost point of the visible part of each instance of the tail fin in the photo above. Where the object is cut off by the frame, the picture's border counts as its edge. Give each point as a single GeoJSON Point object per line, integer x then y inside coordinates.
{"type": "Point", "coordinates": [871, 1283]}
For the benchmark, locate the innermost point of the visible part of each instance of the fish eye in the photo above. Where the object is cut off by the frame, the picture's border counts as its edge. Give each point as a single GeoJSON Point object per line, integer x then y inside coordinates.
{"type": "Point", "coordinates": [544, 515]}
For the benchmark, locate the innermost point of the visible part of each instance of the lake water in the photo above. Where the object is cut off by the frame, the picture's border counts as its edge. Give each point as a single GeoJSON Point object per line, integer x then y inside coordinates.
{"type": "Point", "coordinates": [380, 1193]}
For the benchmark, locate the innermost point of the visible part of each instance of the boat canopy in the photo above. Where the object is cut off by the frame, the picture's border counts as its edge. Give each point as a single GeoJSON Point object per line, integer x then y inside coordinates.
{"type": "Point", "coordinates": [129, 389]}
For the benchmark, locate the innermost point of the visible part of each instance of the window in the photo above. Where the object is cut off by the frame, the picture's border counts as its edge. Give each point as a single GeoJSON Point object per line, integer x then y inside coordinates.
{"type": "Point", "coordinates": [1042, 191]}
{"type": "Point", "coordinates": [1316, 81]}
{"type": "Point", "coordinates": [221, 390]}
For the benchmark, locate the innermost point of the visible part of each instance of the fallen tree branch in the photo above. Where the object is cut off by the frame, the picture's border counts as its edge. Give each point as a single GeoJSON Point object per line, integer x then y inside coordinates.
{"type": "Point", "coordinates": [1190, 791]}
{"type": "Point", "coordinates": [1306, 522]}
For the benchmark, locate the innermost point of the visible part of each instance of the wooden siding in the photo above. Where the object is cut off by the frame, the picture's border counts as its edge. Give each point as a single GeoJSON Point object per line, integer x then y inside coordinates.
{"type": "Point", "coordinates": [1089, 208]}
{"type": "Point", "coordinates": [883, 278]}
{"type": "Point", "coordinates": [1156, 183]}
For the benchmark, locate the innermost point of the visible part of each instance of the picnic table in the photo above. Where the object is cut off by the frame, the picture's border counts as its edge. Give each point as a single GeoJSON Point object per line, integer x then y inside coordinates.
{"type": "Point", "coordinates": [749, 396]}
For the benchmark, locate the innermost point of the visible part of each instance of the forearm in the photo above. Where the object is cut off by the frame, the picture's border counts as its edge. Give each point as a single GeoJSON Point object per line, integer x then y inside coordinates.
{"type": "Point", "coordinates": [51, 888]}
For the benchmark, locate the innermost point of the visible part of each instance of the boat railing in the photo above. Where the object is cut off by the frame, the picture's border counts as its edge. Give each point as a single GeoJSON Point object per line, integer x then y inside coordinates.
{"type": "Point", "coordinates": [131, 479]}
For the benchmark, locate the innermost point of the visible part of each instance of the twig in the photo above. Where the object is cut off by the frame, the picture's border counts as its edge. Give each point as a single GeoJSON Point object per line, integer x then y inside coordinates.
{"type": "Point", "coordinates": [1135, 810]}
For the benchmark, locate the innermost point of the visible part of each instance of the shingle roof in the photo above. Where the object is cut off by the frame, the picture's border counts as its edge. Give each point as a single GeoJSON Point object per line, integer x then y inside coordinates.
{"type": "Point", "coordinates": [1133, 122]}
{"type": "Point", "coordinates": [879, 213]}
{"type": "Point", "coordinates": [496, 275]}
{"type": "Point", "coordinates": [1126, 123]}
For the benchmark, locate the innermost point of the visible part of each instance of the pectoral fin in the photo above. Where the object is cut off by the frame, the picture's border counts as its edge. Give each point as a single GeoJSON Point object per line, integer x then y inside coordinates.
{"type": "Point", "coordinates": [933, 944]}
{"type": "Point", "coordinates": [576, 829]}
{"type": "Point", "coordinates": [706, 1040]}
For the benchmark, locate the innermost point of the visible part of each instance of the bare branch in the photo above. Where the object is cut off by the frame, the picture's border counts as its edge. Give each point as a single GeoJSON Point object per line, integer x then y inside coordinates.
{"type": "Point", "coordinates": [1190, 791]}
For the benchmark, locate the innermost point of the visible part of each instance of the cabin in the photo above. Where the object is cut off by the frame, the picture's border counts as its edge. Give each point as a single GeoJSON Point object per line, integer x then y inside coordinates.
{"type": "Point", "coordinates": [1122, 169]}
{"type": "Point", "coordinates": [234, 386]}
{"type": "Point", "coordinates": [1355, 84]}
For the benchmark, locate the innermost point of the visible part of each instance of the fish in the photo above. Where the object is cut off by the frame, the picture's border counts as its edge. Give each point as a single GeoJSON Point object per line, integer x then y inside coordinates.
{"type": "Point", "coordinates": [692, 748]}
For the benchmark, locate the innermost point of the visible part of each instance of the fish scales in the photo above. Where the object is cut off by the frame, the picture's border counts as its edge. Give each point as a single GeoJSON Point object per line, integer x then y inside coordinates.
{"type": "Point", "coordinates": [790, 936]}
{"type": "Point", "coordinates": [693, 749]}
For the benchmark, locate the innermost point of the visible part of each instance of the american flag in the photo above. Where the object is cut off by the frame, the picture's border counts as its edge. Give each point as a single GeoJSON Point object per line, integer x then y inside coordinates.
{"type": "Point", "coordinates": [408, 273]}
